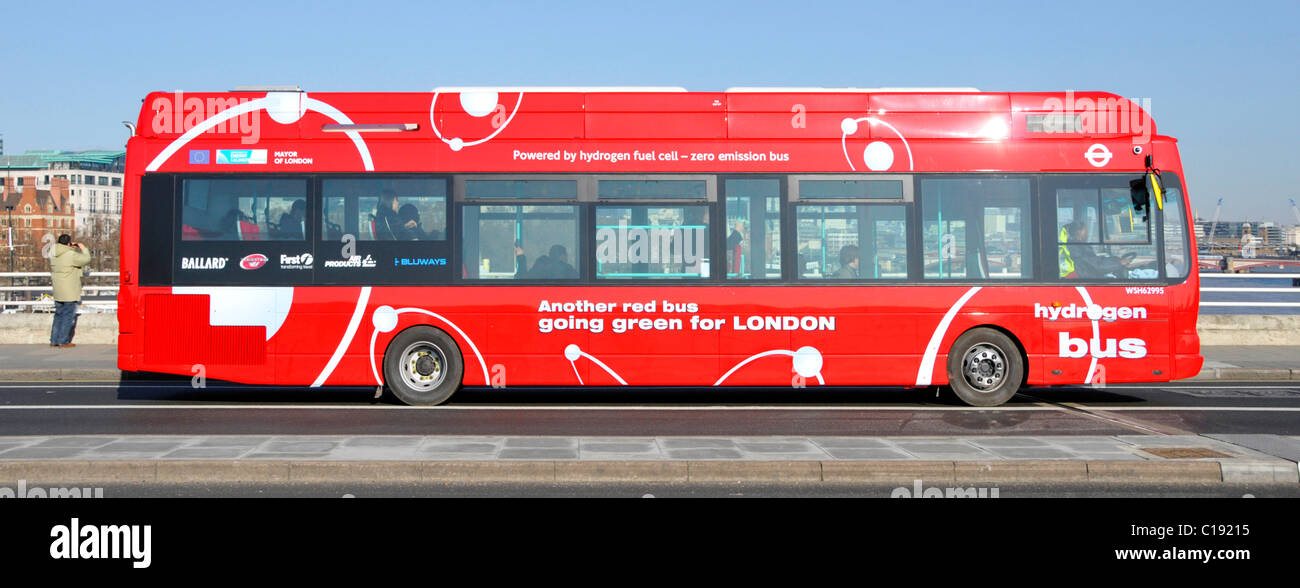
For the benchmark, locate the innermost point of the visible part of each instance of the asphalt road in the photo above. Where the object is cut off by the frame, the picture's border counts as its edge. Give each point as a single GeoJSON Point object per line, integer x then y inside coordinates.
{"type": "Point", "coordinates": [175, 408]}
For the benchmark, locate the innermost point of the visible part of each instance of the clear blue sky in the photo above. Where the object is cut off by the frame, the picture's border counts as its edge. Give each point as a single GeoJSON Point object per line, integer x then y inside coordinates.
{"type": "Point", "coordinates": [1221, 76]}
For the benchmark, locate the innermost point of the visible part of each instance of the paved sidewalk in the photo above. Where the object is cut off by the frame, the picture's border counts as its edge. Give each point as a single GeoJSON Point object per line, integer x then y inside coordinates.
{"type": "Point", "coordinates": [1124, 458]}
{"type": "Point", "coordinates": [38, 363]}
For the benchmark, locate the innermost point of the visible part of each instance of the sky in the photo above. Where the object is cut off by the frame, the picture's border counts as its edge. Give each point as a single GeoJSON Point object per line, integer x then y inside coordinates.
{"type": "Point", "coordinates": [1221, 77]}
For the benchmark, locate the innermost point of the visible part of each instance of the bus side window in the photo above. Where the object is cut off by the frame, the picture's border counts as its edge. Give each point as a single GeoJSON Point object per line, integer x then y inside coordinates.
{"type": "Point", "coordinates": [507, 242]}
{"type": "Point", "coordinates": [244, 209]}
{"type": "Point", "coordinates": [387, 209]}
{"type": "Point", "coordinates": [1174, 234]}
{"type": "Point", "coordinates": [753, 245]}
{"type": "Point", "coordinates": [852, 242]}
{"type": "Point", "coordinates": [1100, 237]}
{"type": "Point", "coordinates": [977, 229]}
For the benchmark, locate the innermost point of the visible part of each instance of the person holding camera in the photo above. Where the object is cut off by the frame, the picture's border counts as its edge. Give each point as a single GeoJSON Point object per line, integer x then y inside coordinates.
{"type": "Point", "coordinates": [65, 270]}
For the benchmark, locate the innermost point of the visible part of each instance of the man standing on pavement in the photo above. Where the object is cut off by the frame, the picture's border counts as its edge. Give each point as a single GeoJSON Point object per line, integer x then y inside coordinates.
{"type": "Point", "coordinates": [65, 269]}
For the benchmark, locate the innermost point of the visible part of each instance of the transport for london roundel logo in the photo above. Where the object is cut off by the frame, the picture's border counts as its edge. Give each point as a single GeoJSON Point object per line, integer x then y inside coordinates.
{"type": "Point", "coordinates": [252, 262]}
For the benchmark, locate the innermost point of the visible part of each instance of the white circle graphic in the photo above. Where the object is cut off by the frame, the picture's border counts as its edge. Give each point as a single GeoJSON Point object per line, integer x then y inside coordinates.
{"type": "Point", "coordinates": [286, 107]}
{"type": "Point", "coordinates": [848, 126]}
{"type": "Point", "coordinates": [478, 103]}
{"type": "Point", "coordinates": [384, 319]}
{"type": "Point", "coordinates": [807, 362]}
{"type": "Point", "coordinates": [572, 352]}
{"type": "Point", "coordinates": [878, 155]}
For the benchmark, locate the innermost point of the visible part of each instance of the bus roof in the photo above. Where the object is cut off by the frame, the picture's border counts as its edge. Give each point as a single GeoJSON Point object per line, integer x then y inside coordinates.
{"type": "Point", "coordinates": [510, 129]}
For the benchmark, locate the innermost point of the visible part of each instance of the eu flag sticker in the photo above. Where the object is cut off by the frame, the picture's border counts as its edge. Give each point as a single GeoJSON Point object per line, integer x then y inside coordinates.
{"type": "Point", "coordinates": [199, 157]}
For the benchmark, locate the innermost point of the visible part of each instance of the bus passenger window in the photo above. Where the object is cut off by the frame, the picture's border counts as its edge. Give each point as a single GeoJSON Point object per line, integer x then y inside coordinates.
{"type": "Point", "coordinates": [506, 242]}
{"type": "Point", "coordinates": [852, 242]}
{"type": "Point", "coordinates": [976, 229]}
{"type": "Point", "coordinates": [385, 209]}
{"type": "Point", "coordinates": [753, 246]}
{"type": "Point", "coordinates": [249, 209]}
{"type": "Point", "coordinates": [655, 242]}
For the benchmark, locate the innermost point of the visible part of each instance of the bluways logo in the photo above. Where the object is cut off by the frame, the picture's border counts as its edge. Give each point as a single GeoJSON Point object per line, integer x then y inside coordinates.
{"type": "Point", "coordinates": [177, 114]}
{"type": "Point", "coordinates": [1096, 116]}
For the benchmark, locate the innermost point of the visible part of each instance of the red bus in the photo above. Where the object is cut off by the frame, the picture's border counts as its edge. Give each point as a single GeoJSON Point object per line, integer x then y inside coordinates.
{"type": "Point", "coordinates": [421, 242]}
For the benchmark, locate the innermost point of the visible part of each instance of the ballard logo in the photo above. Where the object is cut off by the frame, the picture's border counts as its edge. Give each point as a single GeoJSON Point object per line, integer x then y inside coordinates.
{"type": "Point", "coordinates": [253, 261]}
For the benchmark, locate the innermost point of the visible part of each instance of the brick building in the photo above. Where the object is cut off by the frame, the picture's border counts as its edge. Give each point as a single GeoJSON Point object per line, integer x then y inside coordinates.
{"type": "Point", "coordinates": [30, 215]}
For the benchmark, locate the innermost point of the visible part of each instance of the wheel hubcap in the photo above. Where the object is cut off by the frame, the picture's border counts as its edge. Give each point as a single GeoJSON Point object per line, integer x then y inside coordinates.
{"type": "Point", "coordinates": [984, 367]}
{"type": "Point", "coordinates": [423, 366]}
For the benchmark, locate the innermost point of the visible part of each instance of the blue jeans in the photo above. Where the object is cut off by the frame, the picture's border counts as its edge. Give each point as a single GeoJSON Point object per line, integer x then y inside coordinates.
{"type": "Point", "coordinates": [65, 323]}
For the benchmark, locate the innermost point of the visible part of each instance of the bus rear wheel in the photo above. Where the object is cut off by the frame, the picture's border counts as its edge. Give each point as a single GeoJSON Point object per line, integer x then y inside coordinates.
{"type": "Point", "coordinates": [985, 367]}
{"type": "Point", "coordinates": [423, 366]}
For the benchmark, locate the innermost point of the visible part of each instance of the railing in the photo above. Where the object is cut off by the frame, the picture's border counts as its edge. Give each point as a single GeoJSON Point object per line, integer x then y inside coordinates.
{"type": "Point", "coordinates": [98, 304]}
{"type": "Point", "coordinates": [1294, 289]}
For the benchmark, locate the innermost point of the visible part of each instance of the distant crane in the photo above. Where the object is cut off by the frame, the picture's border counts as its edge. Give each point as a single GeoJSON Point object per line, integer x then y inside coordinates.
{"type": "Point", "coordinates": [1214, 224]}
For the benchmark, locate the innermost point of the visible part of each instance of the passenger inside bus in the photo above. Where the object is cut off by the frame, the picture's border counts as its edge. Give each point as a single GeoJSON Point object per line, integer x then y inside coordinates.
{"type": "Point", "coordinates": [386, 223]}
{"type": "Point", "coordinates": [554, 266]}
{"type": "Point", "coordinates": [291, 223]}
{"type": "Point", "coordinates": [735, 250]}
{"type": "Point", "coordinates": [409, 226]}
{"type": "Point", "coordinates": [849, 262]}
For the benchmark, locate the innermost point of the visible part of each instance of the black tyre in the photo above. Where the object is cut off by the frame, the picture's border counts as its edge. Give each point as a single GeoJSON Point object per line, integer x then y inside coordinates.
{"type": "Point", "coordinates": [985, 367]}
{"type": "Point", "coordinates": [423, 366]}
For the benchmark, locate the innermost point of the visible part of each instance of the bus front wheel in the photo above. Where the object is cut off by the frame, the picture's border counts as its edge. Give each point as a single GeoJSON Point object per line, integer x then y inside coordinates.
{"type": "Point", "coordinates": [423, 366]}
{"type": "Point", "coordinates": [985, 367]}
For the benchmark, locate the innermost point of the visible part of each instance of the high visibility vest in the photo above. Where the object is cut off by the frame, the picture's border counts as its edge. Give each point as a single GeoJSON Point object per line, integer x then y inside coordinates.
{"type": "Point", "coordinates": [1063, 255]}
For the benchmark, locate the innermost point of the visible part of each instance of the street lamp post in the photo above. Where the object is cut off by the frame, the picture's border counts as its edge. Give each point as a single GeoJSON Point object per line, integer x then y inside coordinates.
{"type": "Point", "coordinates": [10, 210]}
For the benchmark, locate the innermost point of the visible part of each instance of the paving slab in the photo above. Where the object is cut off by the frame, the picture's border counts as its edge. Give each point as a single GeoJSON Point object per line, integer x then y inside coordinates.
{"type": "Point", "coordinates": [75, 442]}
{"type": "Point", "coordinates": [206, 453]}
{"type": "Point", "coordinates": [705, 453]}
{"type": "Point", "coordinates": [1275, 445]}
{"type": "Point", "coordinates": [538, 453]}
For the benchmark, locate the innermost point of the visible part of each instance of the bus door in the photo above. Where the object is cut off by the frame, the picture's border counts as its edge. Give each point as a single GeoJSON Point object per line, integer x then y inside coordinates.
{"type": "Point", "coordinates": [1108, 321]}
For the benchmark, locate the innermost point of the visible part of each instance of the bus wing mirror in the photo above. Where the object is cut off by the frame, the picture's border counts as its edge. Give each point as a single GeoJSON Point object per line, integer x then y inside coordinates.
{"type": "Point", "coordinates": [1137, 191]}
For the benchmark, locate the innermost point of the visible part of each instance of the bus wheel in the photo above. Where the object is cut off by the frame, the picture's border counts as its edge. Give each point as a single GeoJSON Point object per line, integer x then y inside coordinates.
{"type": "Point", "coordinates": [423, 366]}
{"type": "Point", "coordinates": [984, 367]}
